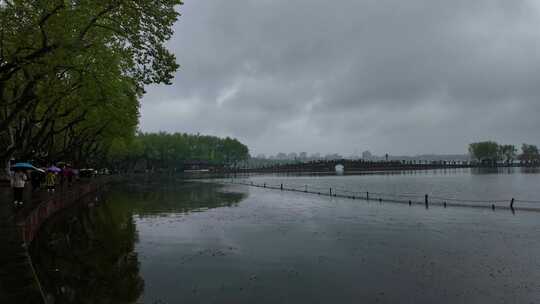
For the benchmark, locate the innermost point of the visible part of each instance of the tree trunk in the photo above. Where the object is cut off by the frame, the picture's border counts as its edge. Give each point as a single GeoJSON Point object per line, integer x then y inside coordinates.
{"type": "Point", "coordinates": [5, 173]}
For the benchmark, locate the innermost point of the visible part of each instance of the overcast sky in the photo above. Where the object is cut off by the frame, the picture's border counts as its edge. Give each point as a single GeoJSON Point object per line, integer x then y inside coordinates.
{"type": "Point", "coordinates": [390, 76]}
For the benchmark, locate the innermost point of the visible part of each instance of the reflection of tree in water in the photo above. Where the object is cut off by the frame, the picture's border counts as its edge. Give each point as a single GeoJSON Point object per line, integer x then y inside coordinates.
{"type": "Point", "coordinates": [148, 199]}
{"type": "Point", "coordinates": [87, 254]}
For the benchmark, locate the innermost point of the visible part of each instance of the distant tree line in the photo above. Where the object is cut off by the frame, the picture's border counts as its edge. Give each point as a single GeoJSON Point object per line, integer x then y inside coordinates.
{"type": "Point", "coordinates": [169, 151]}
{"type": "Point", "coordinates": [72, 74]}
{"type": "Point", "coordinates": [490, 151]}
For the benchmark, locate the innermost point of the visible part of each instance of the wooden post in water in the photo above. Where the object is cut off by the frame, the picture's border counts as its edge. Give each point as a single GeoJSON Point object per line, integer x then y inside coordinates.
{"type": "Point", "coordinates": [426, 200]}
{"type": "Point", "coordinates": [410, 203]}
{"type": "Point", "coordinates": [330, 191]}
{"type": "Point", "coordinates": [264, 185]}
{"type": "Point", "coordinates": [367, 195]}
{"type": "Point", "coordinates": [281, 187]}
{"type": "Point", "coordinates": [512, 203]}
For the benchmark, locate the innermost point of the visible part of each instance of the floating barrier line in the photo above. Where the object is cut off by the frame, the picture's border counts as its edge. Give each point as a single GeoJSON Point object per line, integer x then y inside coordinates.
{"type": "Point", "coordinates": [527, 201]}
{"type": "Point", "coordinates": [392, 197]}
{"type": "Point", "coordinates": [470, 200]}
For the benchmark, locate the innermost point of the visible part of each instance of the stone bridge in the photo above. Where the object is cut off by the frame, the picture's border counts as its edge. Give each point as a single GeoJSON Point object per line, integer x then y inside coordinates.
{"type": "Point", "coordinates": [357, 166]}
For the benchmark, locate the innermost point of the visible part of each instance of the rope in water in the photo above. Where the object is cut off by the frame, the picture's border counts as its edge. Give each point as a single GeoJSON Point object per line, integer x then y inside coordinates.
{"type": "Point", "coordinates": [394, 197]}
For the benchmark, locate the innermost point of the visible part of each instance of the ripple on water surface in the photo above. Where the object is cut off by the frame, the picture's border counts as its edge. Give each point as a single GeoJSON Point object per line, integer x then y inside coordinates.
{"type": "Point", "coordinates": [205, 243]}
{"type": "Point", "coordinates": [274, 246]}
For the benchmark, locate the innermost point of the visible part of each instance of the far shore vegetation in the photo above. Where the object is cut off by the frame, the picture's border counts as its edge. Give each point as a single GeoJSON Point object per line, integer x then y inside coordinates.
{"type": "Point", "coordinates": [166, 151]}
{"type": "Point", "coordinates": [491, 151]}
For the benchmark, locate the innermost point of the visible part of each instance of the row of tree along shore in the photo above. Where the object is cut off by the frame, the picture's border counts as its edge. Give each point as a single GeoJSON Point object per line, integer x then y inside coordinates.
{"type": "Point", "coordinates": [72, 74]}
{"type": "Point", "coordinates": [177, 152]}
{"type": "Point", "coordinates": [169, 152]}
{"type": "Point", "coordinates": [492, 152]}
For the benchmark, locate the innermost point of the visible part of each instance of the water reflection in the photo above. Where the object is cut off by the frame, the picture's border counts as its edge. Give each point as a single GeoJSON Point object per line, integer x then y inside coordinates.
{"type": "Point", "coordinates": [285, 247]}
{"type": "Point", "coordinates": [87, 255]}
{"type": "Point", "coordinates": [155, 200]}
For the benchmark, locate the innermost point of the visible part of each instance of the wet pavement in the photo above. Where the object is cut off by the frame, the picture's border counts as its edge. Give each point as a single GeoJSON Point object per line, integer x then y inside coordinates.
{"type": "Point", "coordinates": [17, 279]}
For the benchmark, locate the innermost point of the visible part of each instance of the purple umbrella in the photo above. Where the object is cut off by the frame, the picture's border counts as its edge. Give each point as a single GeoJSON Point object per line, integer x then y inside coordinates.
{"type": "Point", "coordinates": [54, 169]}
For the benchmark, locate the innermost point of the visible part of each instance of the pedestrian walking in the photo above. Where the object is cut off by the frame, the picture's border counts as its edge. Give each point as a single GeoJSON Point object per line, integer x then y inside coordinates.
{"type": "Point", "coordinates": [61, 175]}
{"type": "Point", "coordinates": [18, 181]}
{"type": "Point", "coordinates": [35, 179]}
{"type": "Point", "coordinates": [50, 181]}
{"type": "Point", "coordinates": [68, 175]}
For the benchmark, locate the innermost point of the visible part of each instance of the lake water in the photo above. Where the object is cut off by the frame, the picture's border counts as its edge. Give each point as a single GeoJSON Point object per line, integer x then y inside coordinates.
{"type": "Point", "coordinates": [467, 186]}
{"type": "Point", "coordinates": [193, 242]}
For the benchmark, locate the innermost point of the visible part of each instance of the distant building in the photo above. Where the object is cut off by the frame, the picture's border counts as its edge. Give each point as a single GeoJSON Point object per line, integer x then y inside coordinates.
{"type": "Point", "coordinates": [333, 156]}
{"type": "Point", "coordinates": [199, 166]}
{"type": "Point", "coordinates": [367, 155]}
{"type": "Point", "coordinates": [281, 155]}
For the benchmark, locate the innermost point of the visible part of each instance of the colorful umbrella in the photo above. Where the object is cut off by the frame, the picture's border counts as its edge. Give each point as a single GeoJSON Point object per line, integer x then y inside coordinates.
{"type": "Point", "coordinates": [54, 169]}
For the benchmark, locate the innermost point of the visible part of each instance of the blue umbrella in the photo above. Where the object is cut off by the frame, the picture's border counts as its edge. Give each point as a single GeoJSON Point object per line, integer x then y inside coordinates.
{"type": "Point", "coordinates": [27, 166]}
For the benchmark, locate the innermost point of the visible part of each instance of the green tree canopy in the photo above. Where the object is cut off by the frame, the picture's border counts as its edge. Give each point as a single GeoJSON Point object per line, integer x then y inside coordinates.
{"type": "Point", "coordinates": [485, 150]}
{"type": "Point", "coordinates": [170, 150]}
{"type": "Point", "coordinates": [529, 153]}
{"type": "Point", "coordinates": [72, 73]}
{"type": "Point", "coordinates": [507, 152]}
{"type": "Point", "coordinates": [492, 151]}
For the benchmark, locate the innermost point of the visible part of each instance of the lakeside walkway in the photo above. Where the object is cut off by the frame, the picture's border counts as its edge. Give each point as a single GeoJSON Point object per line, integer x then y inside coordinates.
{"type": "Point", "coordinates": [18, 281]}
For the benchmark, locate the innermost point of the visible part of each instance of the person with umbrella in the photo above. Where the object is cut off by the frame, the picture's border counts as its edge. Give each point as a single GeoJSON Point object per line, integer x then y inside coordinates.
{"type": "Point", "coordinates": [68, 174]}
{"type": "Point", "coordinates": [18, 181]}
{"type": "Point", "coordinates": [36, 178]}
{"type": "Point", "coordinates": [50, 178]}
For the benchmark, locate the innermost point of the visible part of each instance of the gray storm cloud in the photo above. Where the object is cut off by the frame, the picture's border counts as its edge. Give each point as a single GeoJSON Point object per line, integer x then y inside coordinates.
{"type": "Point", "coordinates": [403, 77]}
